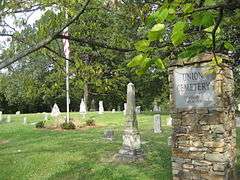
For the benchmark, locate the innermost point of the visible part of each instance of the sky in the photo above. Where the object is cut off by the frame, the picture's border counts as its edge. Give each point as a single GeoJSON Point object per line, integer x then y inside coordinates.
{"type": "Point", "coordinates": [31, 17]}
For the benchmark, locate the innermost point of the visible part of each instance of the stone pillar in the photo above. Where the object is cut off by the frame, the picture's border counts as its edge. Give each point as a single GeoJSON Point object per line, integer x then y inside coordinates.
{"type": "Point", "coordinates": [204, 132]}
{"type": "Point", "coordinates": [131, 148]}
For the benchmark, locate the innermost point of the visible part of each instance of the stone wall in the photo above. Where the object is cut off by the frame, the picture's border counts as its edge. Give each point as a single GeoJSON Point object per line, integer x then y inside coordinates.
{"type": "Point", "coordinates": [204, 139]}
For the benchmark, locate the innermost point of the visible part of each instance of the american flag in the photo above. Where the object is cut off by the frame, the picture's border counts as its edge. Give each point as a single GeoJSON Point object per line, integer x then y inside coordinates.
{"type": "Point", "coordinates": [66, 44]}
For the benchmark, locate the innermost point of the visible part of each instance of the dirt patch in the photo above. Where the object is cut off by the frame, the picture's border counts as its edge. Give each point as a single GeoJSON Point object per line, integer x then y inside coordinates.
{"type": "Point", "coordinates": [3, 142]}
{"type": "Point", "coordinates": [78, 128]}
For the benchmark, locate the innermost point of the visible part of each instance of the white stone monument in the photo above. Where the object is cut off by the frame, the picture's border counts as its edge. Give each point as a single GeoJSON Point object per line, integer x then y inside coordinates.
{"type": "Point", "coordinates": [169, 121]}
{"type": "Point", "coordinates": [8, 119]}
{"type": "Point", "coordinates": [45, 116]}
{"type": "Point", "coordinates": [138, 109]}
{"type": "Point", "coordinates": [125, 107]}
{"type": "Point", "coordinates": [113, 110]}
{"type": "Point", "coordinates": [1, 116]}
{"type": "Point", "coordinates": [131, 148]}
{"type": "Point", "coordinates": [18, 113]}
{"type": "Point", "coordinates": [238, 107]}
{"type": "Point", "coordinates": [25, 120]}
{"type": "Point", "coordinates": [82, 107]}
{"type": "Point", "coordinates": [237, 121]}
{"type": "Point", "coordinates": [157, 124]}
{"type": "Point", "coordinates": [55, 111]}
{"type": "Point", "coordinates": [101, 108]}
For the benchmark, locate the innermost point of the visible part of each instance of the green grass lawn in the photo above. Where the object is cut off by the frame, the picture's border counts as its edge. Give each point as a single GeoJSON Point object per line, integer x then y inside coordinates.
{"type": "Point", "coordinates": [30, 153]}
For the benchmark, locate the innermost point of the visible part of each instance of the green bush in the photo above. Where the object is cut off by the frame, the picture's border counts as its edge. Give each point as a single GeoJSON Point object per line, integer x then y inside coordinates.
{"type": "Point", "coordinates": [69, 125]}
{"type": "Point", "coordinates": [40, 124]}
{"type": "Point", "coordinates": [90, 122]}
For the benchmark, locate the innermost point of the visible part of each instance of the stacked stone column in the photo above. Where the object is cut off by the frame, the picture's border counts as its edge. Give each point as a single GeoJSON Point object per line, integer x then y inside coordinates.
{"type": "Point", "coordinates": [204, 138]}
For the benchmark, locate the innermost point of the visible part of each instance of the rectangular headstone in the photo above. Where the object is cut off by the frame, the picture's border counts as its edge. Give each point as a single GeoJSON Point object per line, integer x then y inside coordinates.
{"type": "Point", "coordinates": [157, 124]}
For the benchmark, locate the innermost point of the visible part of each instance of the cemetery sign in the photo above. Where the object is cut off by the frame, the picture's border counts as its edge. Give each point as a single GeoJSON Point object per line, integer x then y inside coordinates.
{"type": "Point", "coordinates": [193, 87]}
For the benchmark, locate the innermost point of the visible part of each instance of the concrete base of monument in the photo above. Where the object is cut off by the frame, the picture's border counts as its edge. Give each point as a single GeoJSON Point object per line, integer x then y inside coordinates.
{"type": "Point", "coordinates": [128, 155]}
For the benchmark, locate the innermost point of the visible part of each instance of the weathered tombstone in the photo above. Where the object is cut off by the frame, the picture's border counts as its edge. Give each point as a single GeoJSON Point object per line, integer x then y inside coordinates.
{"type": "Point", "coordinates": [125, 107]}
{"type": "Point", "coordinates": [55, 111]}
{"type": "Point", "coordinates": [8, 119]}
{"type": "Point", "coordinates": [131, 149]}
{"type": "Point", "coordinates": [238, 107]}
{"type": "Point", "coordinates": [169, 121]}
{"type": "Point", "coordinates": [157, 124]}
{"type": "Point", "coordinates": [25, 120]}
{"type": "Point", "coordinates": [156, 108]}
{"type": "Point", "coordinates": [118, 108]}
{"type": "Point", "coordinates": [18, 113]}
{"type": "Point", "coordinates": [93, 108]}
{"type": "Point", "coordinates": [101, 108]}
{"type": "Point", "coordinates": [237, 121]}
{"type": "Point", "coordinates": [204, 132]}
{"type": "Point", "coordinates": [113, 110]}
{"type": "Point", "coordinates": [169, 141]}
{"type": "Point", "coordinates": [1, 116]}
{"type": "Point", "coordinates": [108, 134]}
{"type": "Point", "coordinates": [45, 116]}
{"type": "Point", "coordinates": [82, 107]}
{"type": "Point", "coordinates": [138, 109]}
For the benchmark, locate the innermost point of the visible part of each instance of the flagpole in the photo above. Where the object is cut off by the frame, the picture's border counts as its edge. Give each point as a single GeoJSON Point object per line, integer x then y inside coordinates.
{"type": "Point", "coordinates": [66, 51]}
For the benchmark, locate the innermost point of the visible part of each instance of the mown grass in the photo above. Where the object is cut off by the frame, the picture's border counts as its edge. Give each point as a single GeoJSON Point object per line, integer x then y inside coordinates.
{"type": "Point", "coordinates": [29, 153]}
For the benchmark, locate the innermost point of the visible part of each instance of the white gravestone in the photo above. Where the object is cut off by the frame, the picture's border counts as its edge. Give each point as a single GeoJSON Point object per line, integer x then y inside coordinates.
{"type": "Point", "coordinates": [18, 113]}
{"type": "Point", "coordinates": [237, 121]}
{"type": "Point", "coordinates": [1, 116]}
{"type": "Point", "coordinates": [138, 109]}
{"type": "Point", "coordinates": [25, 120]}
{"type": "Point", "coordinates": [8, 119]}
{"type": "Point", "coordinates": [125, 107]}
{"type": "Point", "coordinates": [113, 110]}
{"type": "Point", "coordinates": [169, 121]}
{"type": "Point", "coordinates": [45, 116]}
{"type": "Point", "coordinates": [157, 124]}
{"type": "Point", "coordinates": [101, 108]}
{"type": "Point", "coordinates": [238, 107]}
{"type": "Point", "coordinates": [83, 107]}
{"type": "Point", "coordinates": [55, 111]}
{"type": "Point", "coordinates": [156, 109]}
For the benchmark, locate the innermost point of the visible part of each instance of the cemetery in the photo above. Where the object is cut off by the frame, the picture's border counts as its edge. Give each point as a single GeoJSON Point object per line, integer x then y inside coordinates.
{"type": "Point", "coordinates": [117, 89]}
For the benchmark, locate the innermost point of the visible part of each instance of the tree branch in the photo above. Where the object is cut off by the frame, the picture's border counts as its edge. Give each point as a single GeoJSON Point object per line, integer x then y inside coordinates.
{"type": "Point", "coordinates": [43, 43]}
{"type": "Point", "coordinates": [219, 19]}
{"type": "Point", "coordinates": [92, 42]}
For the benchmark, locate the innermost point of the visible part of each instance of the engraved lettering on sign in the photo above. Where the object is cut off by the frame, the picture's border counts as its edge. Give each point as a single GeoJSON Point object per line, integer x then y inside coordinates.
{"type": "Point", "coordinates": [193, 88]}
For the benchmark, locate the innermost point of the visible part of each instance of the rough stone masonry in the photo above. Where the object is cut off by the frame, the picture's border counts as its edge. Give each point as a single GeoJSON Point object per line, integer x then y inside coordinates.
{"type": "Point", "coordinates": [202, 108]}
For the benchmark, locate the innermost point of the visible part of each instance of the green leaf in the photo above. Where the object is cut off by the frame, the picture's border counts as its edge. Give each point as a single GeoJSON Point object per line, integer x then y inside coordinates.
{"type": "Point", "coordinates": [178, 35]}
{"type": "Point", "coordinates": [155, 32]}
{"type": "Point", "coordinates": [142, 45]}
{"type": "Point", "coordinates": [210, 29]}
{"type": "Point", "coordinates": [205, 19]}
{"type": "Point", "coordinates": [229, 46]}
{"type": "Point", "coordinates": [136, 61]}
{"type": "Point", "coordinates": [153, 35]}
{"type": "Point", "coordinates": [158, 27]}
{"type": "Point", "coordinates": [163, 14]}
{"type": "Point", "coordinates": [188, 8]}
{"type": "Point", "coordinates": [159, 63]}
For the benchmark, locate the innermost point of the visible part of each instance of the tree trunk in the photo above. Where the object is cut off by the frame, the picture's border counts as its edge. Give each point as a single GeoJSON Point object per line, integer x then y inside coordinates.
{"type": "Point", "coordinates": [85, 95]}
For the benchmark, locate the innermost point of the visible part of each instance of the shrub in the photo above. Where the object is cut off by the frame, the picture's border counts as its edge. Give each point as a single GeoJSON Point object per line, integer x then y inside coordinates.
{"type": "Point", "coordinates": [40, 124]}
{"type": "Point", "coordinates": [90, 122]}
{"type": "Point", "coordinates": [69, 125]}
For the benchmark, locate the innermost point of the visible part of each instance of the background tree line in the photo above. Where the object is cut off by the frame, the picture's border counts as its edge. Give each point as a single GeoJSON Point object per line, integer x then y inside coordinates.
{"type": "Point", "coordinates": [111, 43]}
